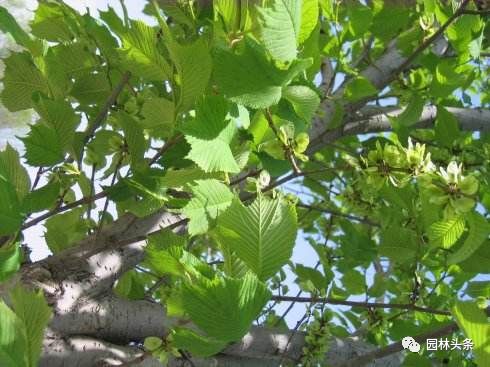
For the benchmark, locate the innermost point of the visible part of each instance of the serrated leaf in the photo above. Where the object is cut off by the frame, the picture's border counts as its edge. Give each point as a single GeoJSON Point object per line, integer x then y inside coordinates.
{"type": "Point", "coordinates": [133, 134]}
{"type": "Point", "coordinates": [193, 63]}
{"type": "Point", "coordinates": [398, 244]}
{"type": "Point", "coordinates": [8, 24]}
{"type": "Point", "coordinates": [43, 147]}
{"type": "Point", "coordinates": [140, 53]}
{"type": "Point", "coordinates": [309, 19]}
{"type": "Point", "coordinates": [310, 279]}
{"type": "Point", "coordinates": [130, 286]}
{"type": "Point", "coordinates": [210, 198]}
{"type": "Point", "coordinates": [42, 198]}
{"type": "Point", "coordinates": [478, 233]}
{"type": "Point", "coordinates": [20, 81]}
{"type": "Point", "coordinates": [474, 322]}
{"type": "Point", "coordinates": [262, 234]}
{"type": "Point", "coordinates": [478, 289]}
{"type": "Point", "coordinates": [91, 88]}
{"type": "Point", "coordinates": [445, 233]}
{"type": "Point", "coordinates": [225, 307]}
{"type": "Point", "coordinates": [446, 127]}
{"type": "Point", "coordinates": [174, 260]}
{"type": "Point", "coordinates": [10, 258]}
{"type": "Point", "coordinates": [13, 339]}
{"type": "Point", "coordinates": [60, 116]}
{"type": "Point", "coordinates": [32, 309]}
{"type": "Point", "coordinates": [159, 116]}
{"type": "Point", "coordinates": [10, 216]}
{"type": "Point", "coordinates": [71, 59]}
{"type": "Point", "coordinates": [360, 18]}
{"type": "Point", "coordinates": [304, 100]}
{"type": "Point", "coordinates": [64, 230]}
{"type": "Point", "coordinates": [198, 345]}
{"type": "Point", "coordinates": [50, 23]}
{"type": "Point", "coordinates": [281, 27]}
{"type": "Point", "coordinates": [359, 88]}
{"type": "Point", "coordinates": [13, 171]}
{"type": "Point", "coordinates": [249, 78]}
{"type": "Point", "coordinates": [411, 113]}
{"type": "Point", "coordinates": [210, 135]}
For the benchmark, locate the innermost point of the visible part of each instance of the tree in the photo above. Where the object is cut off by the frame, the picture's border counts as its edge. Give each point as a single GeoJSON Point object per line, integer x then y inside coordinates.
{"type": "Point", "coordinates": [167, 160]}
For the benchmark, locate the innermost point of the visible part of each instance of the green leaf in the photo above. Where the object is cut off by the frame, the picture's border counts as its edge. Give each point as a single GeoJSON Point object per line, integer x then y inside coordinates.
{"type": "Point", "coordinates": [474, 322]}
{"type": "Point", "coordinates": [159, 116]}
{"type": "Point", "coordinates": [194, 64]}
{"type": "Point", "coordinates": [198, 345]}
{"type": "Point", "coordinates": [478, 289]}
{"type": "Point", "coordinates": [8, 24]}
{"type": "Point", "coordinates": [13, 171]}
{"type": "Point", "coordinates": [133, 134]}
{"type": "Point", "coordinates": [70, 60]}
{"type": "Point", "coordinates": [359, 88]}
{"type": "Point", "coordinates": [446, 127]}
{"type": "Point", "coordinates": [60, 116]}
{"type": "Point", "coordinates": [478, 233]}
{"type": "Point", "coordinates": [210, 198]}
{"type": "Point", "coordinates": [445, 233]}
{"type": "Point", "coordinates": [262, 234]}
{"type": "Point", "coordinates": [43, 147]}
{"type": "Point", "coordinates": [64, 230]}
{"type": "Point", "coordinates": [225, 307]}
{"type": "Point", "coordinates": [50, 23]}
{"type": "Point", "coordinates": [10, 258]}
{"type": "Point", "coordinates": [249, 78]}
{"type": "Point", "coordinates": [130, 286]}
{"type": "Point", "coordinates": [42, 198]}
{"type": "Point", "coordinates": [281, 27]}
{"type": "Point", "coordinates": [31, 308]}
{"type": "Point", "coordinates": [309, 19]}
{"type": "Point", "coordinates": [411, 113]}
{"type": "Point", "coordinates": [310, 279]}
{"type": "Point", "coordinates": [360, 17]}
{"type": "Point", "coordinates": [304, 100]}
{"type": "Point", "coordinates": [210, 135]}
{"type": "Point", "coordinates": [91, 88]}
{"type": "Point", "coordinates": [176, 261]}
{"type": "Point", "coordinates": [20, 81]}
{"type": "Point", "coordinates": [13, 339]}
{"type": "Point", "coordinates": [354, 282]}
{"type": "Point", "coordinates": [140, 54]}
{"type": "Point", "coordinates": [115, 23]}
{"type": "Point", "coordinates": [10, 216]}
{"type": "Point", "coordinates": [398, 244]}
{"type": "Point", "coordinates": [478, 262]}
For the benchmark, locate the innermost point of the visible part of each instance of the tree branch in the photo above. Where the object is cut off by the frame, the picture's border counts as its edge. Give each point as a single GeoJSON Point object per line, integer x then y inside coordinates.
{"type": "Point", "coordinates": [333, 301]}
{"type": "Point", "coordinates": [375, 119]}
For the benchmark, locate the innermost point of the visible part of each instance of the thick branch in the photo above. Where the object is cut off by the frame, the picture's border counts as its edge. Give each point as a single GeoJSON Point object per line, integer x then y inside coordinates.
{"type": "Point", "coordinates": [376, 120]}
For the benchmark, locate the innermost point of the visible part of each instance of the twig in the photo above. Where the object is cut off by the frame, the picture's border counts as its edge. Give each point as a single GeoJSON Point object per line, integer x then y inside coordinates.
{"type": "Point", "coordinates": [61, 209]}
{"type": "Point", "coordinates": [333, 301]}
{"type": "Point", "coordinates": [170, 143]}
{"type": "Point", "coordinates": [288, 151]}
{"type": "Point", "coordinates": [106, 203]}
{"type": "Point", "coordinates": [338, 214]}
{"type": "Point", "coordinates": [92, 180]}
{"type": "Point", "coordinates": [101, 116]}
{"type": "Point", "coordinates": [38, 177]}
{"type": "Point", "coordinates": [432, 38]}
{"type": "Point", "coordinates": [476, 12]}
{"type": "Point", "coordinates": [397, 347]}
